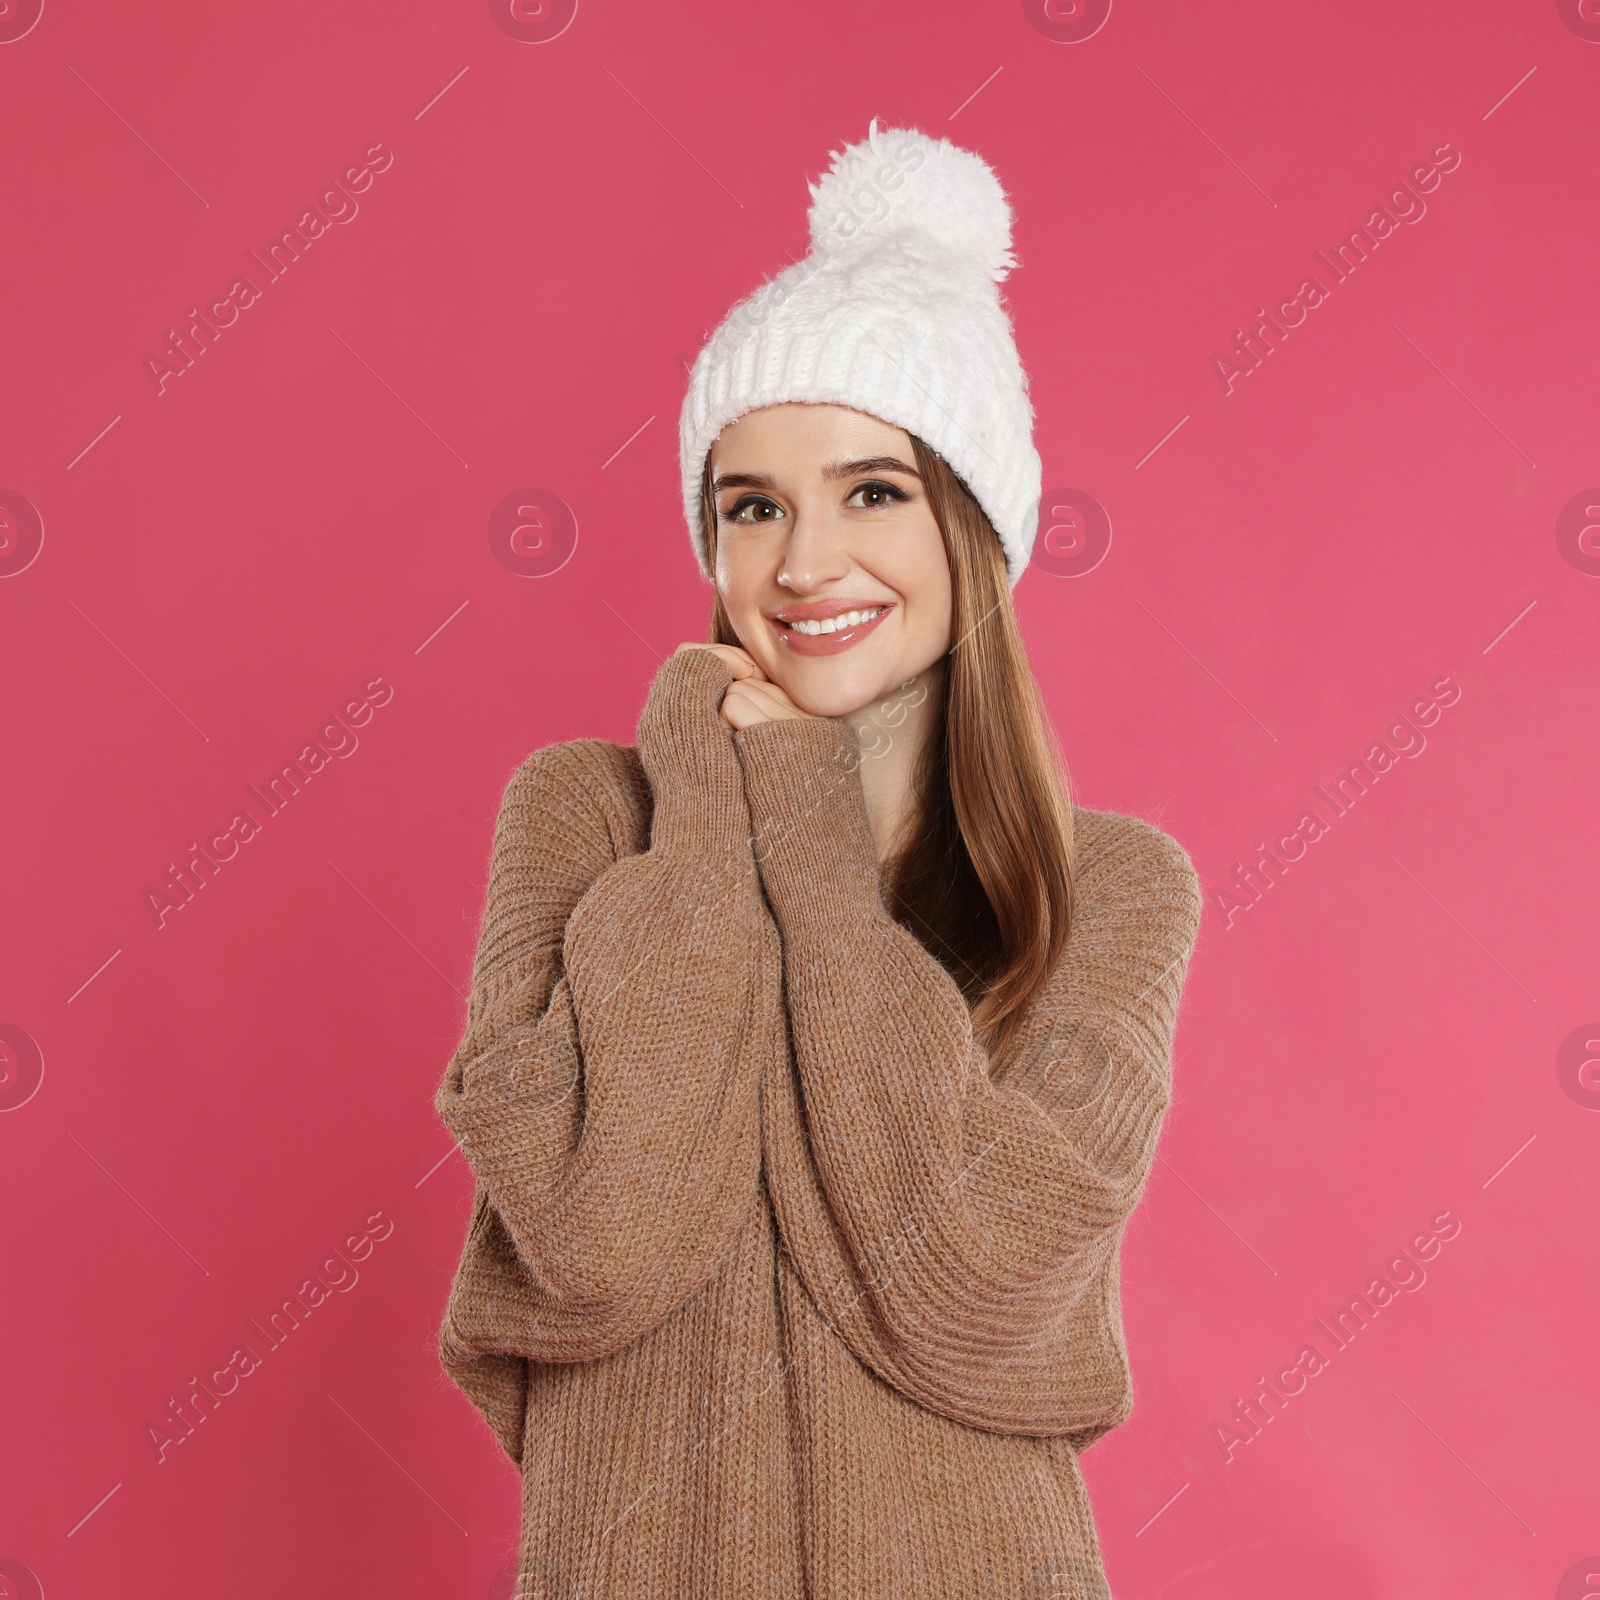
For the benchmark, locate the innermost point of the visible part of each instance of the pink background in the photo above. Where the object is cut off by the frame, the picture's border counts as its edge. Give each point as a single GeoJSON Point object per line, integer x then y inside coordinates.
{"type": "Point", "coordinates": [1373, 1042]}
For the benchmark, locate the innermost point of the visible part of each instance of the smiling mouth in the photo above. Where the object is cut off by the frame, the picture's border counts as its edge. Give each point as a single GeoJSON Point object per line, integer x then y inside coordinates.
{"type": "Point", "coordinates": [816, 635]}
{"type": "Point", "coordinates": [814, 626]}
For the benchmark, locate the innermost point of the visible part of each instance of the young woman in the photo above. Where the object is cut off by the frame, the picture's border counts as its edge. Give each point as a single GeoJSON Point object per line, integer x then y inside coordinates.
{"type": "Point", "coordinates": [818, 1046]}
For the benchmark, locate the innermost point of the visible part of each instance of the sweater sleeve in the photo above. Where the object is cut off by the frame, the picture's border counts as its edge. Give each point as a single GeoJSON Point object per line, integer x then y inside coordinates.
{"type": "Point", "coordinates": [976, 1212]}
{"type": "Point", "coordinates": [606, 1090]}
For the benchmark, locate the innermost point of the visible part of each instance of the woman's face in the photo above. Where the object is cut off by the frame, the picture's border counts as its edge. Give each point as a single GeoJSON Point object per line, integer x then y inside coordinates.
{"type": "Point", "coordinates": [830, 563]}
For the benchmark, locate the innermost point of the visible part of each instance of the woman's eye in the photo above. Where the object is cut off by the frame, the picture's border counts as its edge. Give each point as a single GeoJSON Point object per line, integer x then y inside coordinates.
{"type": "Point", "coordinates": [751, 502]}
{"type": "Point", "coordinates": [886, 493]}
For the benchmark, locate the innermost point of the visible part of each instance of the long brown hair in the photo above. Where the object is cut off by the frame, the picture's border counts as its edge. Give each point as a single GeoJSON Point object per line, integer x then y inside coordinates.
{"type": "Point", "coordinates": [985, 879]}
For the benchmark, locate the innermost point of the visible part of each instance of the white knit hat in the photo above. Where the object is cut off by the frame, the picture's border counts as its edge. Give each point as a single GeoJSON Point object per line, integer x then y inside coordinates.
{"type": "Point", "coordinates": [895, 312]}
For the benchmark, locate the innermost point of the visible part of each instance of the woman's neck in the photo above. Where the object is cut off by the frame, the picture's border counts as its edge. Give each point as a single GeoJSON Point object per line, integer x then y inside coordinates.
{"type": "Point", "coordinates": [892, 733]}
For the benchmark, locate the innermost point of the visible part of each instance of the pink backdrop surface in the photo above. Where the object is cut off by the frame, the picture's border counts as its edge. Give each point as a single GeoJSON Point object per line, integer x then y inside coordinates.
{"type": "Point", "coordinates": [1377, 527]}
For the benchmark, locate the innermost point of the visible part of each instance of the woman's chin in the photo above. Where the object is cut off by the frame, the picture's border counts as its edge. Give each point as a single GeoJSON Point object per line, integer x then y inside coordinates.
{"type": "Point", "coordinates": [842, 698]}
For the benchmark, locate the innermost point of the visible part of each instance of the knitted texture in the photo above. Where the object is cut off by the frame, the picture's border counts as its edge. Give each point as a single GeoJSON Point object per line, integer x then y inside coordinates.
{"type": "Point", "coordinates": [895, 312]}
{"type": "Point", "coordinates": [774, 1285]}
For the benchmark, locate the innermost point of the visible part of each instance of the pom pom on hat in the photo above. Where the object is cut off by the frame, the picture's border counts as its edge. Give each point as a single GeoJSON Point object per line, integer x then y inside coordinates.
{"type": "Point", "coordinates": [895, 312]}
{"type": "Point", "coordinates": [952, 194]}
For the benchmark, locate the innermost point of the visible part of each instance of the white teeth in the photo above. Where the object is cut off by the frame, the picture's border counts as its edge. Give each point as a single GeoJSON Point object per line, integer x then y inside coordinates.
{"type": "Point", "coordinates": [849, 619]}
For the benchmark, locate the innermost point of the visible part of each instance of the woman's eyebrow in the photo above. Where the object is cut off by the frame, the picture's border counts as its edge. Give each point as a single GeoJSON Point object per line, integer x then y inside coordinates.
{"type": "Point", "coordinates": [854, 469]}
{"type": "Point", "coordinates": [834, 470]}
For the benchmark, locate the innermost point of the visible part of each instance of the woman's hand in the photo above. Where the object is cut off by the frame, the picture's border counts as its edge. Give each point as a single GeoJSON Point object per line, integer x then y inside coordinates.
{"type": "Point", "coordinates": [740, 662]}
{"type": "Point", "coordinates": [752, 697]}
{"type": "Point", "coordinates": [751, 700]}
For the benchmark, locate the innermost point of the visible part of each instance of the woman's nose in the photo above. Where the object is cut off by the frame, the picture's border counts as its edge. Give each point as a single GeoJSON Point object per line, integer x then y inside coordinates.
{"type": "Point", "coordinates": [815, 556]}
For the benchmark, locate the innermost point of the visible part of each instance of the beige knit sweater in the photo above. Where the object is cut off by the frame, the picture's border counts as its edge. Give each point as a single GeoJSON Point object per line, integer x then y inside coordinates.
{"type": "Point", "coordinates": [771, 1288]}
